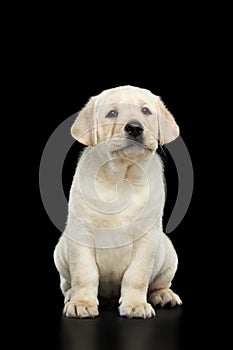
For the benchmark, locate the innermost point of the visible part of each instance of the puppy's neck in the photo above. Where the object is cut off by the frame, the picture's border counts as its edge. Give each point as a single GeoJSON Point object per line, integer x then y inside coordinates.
{"type": "Point", "coordinates": [113, 170]}
{"type": "Point", "coordinates": [117, 169]}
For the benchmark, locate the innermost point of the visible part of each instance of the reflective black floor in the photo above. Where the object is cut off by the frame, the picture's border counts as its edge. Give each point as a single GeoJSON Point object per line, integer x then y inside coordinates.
{"type": "Point", "coordinates": [109, 331]}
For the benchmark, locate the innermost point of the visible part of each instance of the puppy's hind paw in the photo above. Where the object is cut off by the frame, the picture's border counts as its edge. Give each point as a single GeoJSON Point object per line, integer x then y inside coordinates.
{"type": "Point", "coordinates": [164, 296]}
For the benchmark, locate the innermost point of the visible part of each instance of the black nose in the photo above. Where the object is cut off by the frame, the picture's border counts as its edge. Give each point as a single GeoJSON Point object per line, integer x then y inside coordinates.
{"type": "Point", "coordinates": [134, 129]}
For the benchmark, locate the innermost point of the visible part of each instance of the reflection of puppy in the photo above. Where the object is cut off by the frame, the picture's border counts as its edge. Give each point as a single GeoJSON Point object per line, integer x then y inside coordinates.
{"type": "Point", "coordinates": [112, 245]}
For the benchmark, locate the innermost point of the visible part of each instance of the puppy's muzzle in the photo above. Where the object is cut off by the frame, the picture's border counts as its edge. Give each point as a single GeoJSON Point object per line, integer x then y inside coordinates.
{"type": "Point", "coordinates": [134, 130]}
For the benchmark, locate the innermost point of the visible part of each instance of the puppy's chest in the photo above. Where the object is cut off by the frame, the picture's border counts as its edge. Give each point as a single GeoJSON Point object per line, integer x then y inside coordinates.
{"type": "Point", "coordinates": [121, 202]}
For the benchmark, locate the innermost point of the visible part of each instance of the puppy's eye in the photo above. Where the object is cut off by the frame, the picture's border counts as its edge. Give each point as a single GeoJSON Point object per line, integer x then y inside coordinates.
{"type": "Point", "coordinates": [145, 111]}
{"type": "Point", "coordinates": [112, 113]}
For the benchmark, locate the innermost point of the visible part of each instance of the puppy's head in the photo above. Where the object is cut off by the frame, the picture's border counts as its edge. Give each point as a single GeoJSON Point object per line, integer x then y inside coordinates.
{"type": "Point", "coordinates": [131, 119]}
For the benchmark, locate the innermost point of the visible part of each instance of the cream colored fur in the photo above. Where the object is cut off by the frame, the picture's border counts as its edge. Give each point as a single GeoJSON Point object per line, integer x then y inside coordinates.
{"type": "Point", "coordinates": [137, 271]}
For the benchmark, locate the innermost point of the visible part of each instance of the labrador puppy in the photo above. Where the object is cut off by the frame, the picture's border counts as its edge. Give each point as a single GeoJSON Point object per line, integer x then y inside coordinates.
{"type": "Point", "coordinates": [113, 244]}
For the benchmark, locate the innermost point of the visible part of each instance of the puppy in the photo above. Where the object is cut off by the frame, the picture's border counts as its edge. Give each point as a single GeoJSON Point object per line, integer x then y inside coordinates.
{"type": "Point", "coordinates": [113, 244]}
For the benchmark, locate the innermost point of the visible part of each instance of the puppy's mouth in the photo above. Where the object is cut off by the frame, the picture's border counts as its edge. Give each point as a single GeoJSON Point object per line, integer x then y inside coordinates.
{"type": "Point", "coordinates": [129, 143]}
{"type": "Point", "coordinates": [132, 146]}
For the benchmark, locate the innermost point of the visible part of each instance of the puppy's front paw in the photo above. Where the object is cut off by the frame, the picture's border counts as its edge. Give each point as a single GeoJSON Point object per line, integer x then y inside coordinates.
{"type": "Point", "coordinates": [164, 296]}
{"type": "Point", "coordinates": [136, 310]}
{"type": "Point", "coordinates": [80, 309]}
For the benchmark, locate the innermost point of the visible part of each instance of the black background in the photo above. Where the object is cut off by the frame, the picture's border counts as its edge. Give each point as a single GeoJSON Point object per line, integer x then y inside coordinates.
{"type": "Point", "coordinates": [182, 80]}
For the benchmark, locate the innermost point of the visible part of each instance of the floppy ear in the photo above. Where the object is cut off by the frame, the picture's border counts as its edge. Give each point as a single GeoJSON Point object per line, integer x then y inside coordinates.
{"type": "Point", "coordinates": [168, 129]}
{"type": "Point", "coordinates": [84, 127]}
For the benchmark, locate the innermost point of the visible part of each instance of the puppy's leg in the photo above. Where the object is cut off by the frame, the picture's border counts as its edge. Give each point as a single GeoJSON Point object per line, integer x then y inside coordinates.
{"type": "Point", "coordinates": [79, 278]}
{"type": "Point", "coordinates": [159, 289]}
{"type": "Point", "coordinates": [83, 300]}
{"type": "Point", "coordinates": [65, 288]}
{"type": "Point", "coordinates": [63, 269]}
{"type": "Point", "coordinates": [135, 282]}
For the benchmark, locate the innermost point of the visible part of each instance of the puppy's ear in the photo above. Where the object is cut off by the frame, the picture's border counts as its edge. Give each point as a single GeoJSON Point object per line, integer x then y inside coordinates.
{"type": "Point", "coordinates": [84, 127]}
{"type": "Point", "coordinates": [168, 129]}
